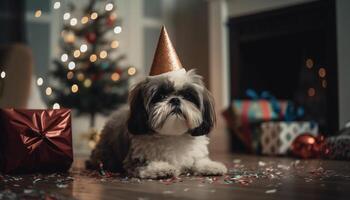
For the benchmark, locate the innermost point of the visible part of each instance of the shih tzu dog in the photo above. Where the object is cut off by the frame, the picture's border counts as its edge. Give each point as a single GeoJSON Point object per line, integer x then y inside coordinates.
{"type": "Point", "coordinates": [163, 131]}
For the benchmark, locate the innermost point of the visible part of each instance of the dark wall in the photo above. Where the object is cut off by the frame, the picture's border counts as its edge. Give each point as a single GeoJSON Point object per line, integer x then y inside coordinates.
{"type": "Point", "coordinates": [12, 21]}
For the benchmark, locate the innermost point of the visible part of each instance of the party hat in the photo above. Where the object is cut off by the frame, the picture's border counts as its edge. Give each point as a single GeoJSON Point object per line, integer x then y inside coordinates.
{"type": "Point", "coordinates": [165, 58]}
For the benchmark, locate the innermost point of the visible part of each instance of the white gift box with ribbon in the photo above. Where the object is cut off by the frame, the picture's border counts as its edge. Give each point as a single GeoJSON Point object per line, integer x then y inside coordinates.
{"type": "Point", "coordinates": [277, 137]}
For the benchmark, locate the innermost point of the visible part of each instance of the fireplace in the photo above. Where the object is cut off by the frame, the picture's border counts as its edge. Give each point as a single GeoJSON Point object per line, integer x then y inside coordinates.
{"type": "Point", "coordinates": [290, 52]}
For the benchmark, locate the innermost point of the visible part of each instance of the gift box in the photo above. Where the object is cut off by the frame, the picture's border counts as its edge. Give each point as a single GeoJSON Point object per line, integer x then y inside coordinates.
{"type": "Point", "coordinates": [277, 137]}
{"type": "Point", "coordinates": [253, 111]}
{"type": "Point", "coordinates": [35, 140]}
{"type": "Point", "coordinates": [339, 148]}
{"type": "Point", "coordinates": [244, 117]}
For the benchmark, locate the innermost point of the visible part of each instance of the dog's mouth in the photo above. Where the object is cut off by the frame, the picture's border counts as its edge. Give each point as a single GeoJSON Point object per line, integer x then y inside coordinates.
{"type": "Point", "coordinates": [176, 111]}
{"type": "Point", "coordinates": [175, 120]}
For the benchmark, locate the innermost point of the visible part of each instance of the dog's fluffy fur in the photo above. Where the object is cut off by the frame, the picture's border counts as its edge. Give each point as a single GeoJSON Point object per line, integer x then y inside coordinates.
{"type": "Point", "coordinates": [163, 131]}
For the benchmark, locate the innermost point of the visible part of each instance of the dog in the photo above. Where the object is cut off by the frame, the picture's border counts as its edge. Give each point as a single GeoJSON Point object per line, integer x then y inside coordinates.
{"type": "Point", "coordinates": [162, 132]}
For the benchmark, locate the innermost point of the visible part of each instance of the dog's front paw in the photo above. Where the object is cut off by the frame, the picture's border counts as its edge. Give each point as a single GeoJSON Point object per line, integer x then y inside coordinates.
{"type": "Point", "coordinates": [209, 168]}
{"type": "Point", "coordinates": [158, 170]}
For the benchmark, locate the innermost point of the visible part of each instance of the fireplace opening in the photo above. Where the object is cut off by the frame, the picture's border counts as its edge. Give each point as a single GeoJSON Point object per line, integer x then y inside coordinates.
{"type": "Point", "coordinates": [291, 53]}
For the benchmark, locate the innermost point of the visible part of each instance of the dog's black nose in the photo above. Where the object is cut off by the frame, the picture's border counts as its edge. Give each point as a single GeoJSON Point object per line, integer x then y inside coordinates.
{"type": "Point", "coordinates": [175, 101]}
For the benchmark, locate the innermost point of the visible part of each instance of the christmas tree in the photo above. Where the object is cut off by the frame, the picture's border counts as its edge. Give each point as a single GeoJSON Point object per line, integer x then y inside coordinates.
{"type": "Point", "coordinates": [90, 78]}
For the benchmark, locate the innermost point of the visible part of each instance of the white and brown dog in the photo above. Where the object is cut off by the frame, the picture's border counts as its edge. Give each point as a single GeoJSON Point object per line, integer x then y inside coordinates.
{"type": "Point", "coordinates": [163, 131]}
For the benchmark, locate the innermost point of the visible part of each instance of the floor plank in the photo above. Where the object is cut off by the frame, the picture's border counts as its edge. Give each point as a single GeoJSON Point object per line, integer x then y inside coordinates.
{"type": "Point", "coordinates": [250, 177]}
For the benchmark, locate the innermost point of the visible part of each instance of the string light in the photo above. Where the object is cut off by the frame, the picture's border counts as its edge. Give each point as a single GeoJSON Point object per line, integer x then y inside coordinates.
{"type": "Point", "coordinates": [103, 54]}
{"type": "Point", "coordinates": [117, 29]}
{"type": "Point", "coordinates": [93, 57]}
{"type": "Point", "coordinates": [48, 91]}
{"type": "Point", "coordinates": [71, 65]}
{"type": "Point", "coordinates": [56, 106]}
{"type": "Point", "coordinates": [83, 48]}
{"type": "Point", "coordinates": [94, 15]}
{"type": "Point", "coordinates": [80, 76]}
{"type": "Point", "coordinates": [322, 72]}
{"type": "Point", "coordinates": [64, 57]}
{"type": "Point", "coordinates": [70, 75]}
{"type": "Point", "coordinates": [87, 83]}
{"type": "Point", "coordinates": [324, 83]}
{"type": "Point", "coordinates": [74, 88]}
{"type": "Point", "coordinates": [69, 37]}
{"type": "Point", "coordinates": [56, 5]}
{"type": "Point", "coordinates": [115, 76]}
{"type": "Point", "coordinates": [84, 20]}
{"type": "Point", "coordinates": [73, 21]}
{"type": "Point", "coordinates": [309, 63]}
{"type": "Point", "coordinates": [40, 81]}
{"type": "Point", "coordinates": [66, 16]}
{"type": "Point", "coordinates": [37, 13]}
{"type": "Point", "coordinates": [131, 71]}
{"type": "Point", "coordinates": [3, 74]}
{"type": "Point", "coordinates": [76, 53]}
{"type": "Point", "coordinates": [311, 92]}
{"type": "Point", "coordinates": [114, 44]}
{"type": "Point", "coordinates": [109, 7]}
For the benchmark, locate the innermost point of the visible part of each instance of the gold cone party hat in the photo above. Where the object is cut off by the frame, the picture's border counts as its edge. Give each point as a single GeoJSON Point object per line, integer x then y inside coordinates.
{"type": "Point", "coordinates": [165, 58]}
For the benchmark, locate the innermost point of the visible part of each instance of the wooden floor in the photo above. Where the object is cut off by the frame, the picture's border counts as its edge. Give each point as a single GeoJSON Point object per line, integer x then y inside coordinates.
{"type": "Point", "coordinates": [250, 177]}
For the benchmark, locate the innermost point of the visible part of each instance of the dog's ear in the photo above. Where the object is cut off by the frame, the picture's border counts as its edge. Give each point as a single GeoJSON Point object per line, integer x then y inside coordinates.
{"type": "Point", "coordinates": [208, 115]}
{"type": "Point", "coordinates": [138, 117]}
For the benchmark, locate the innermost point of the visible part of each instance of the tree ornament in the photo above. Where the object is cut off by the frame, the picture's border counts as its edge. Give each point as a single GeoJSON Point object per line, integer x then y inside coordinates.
{"type": "Point", "coordinates": [110, 20]}
{"type": "Point", "coordinates": [104, 65]}
{"type": "Point", "coordinates": [119, 71]}
{"type": "Point", "coordinates": [309, 146]}
{"type": "Point", "coordinates": [91, 37]}
{"type": "Point", "coordinates": [97, 76]}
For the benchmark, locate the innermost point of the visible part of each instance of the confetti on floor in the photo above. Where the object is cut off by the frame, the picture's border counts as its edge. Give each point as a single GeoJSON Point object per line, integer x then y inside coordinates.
{"type": "Point", "coordinates": [272, 174]}
{"type": "Point", "coordinates": [270, 191]}
{"type": "Point", "coordinates": [168, 192]}
{"type": "Point", "coordinates": [237, 161]}
{"type": "Point", "coordinates": [261, 163]}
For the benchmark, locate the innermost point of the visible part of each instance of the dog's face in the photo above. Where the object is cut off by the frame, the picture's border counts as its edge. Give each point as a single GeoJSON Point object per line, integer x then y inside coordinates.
{"type": "Point", "coordinates": [171, 105]}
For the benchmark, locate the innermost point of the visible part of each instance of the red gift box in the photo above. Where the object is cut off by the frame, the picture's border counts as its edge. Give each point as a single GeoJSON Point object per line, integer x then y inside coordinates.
{"type": "Point", "coordinates": [35, 140]}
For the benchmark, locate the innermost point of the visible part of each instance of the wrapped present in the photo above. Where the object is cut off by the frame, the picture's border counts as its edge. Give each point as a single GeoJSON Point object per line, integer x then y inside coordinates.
{"type": "Point", "coordinates": [253, 111]}
{"type": "Point", "coordinates": [277, 137]}
{"type": "Point", "coordinates": [244, 117]}
{"type": "Point", "coordinates": [338, 147]}
{"type": "Point", "coordinates": [35, 140]}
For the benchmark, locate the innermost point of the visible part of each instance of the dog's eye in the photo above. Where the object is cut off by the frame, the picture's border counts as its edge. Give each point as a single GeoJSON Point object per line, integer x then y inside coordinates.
{"type": "Point", "coordinates": [159, 97]}
{"type": "Point", "coordinates": [189, 97]}
{"type": "Point", "coordinates": [162, 96]}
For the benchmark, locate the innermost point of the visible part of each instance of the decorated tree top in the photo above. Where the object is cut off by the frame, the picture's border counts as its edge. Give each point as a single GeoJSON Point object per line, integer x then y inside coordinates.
{"type": "Point", "coordinates": [90, 76]}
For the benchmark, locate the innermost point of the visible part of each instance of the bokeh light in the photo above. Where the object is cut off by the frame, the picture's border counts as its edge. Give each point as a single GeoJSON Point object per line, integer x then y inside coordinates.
{"type": "Point", "coordinates": [132, 71]}
{"type": "Point", "coordinates": [40, 81]}
{"type": "Point", "coordinates": [115, 76]}
{"type": "Point", "coordinates": [74, 88]}
{"type": "Point", "coordinates": [48, 91]}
